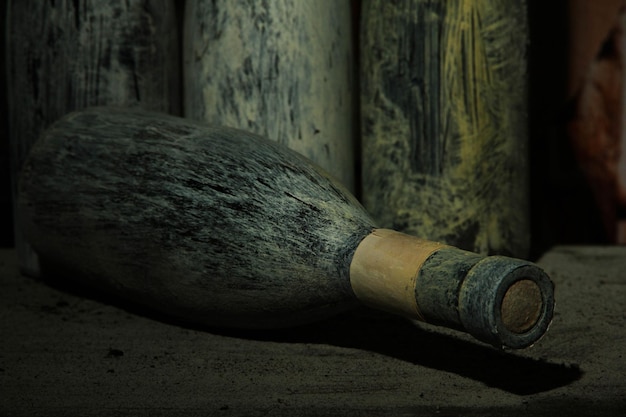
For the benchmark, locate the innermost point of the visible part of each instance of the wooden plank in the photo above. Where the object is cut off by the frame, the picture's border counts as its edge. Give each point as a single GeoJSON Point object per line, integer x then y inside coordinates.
{"type": "Point", "coordinates": [65, 55]}
{"type": "Point", "coordinates": [444, 121]}
{"type": "Point", "coordinates": [282, 69]}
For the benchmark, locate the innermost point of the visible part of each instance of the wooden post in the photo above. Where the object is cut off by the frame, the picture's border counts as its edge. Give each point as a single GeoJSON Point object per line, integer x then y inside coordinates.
{"type": "Point", "coordinates": [444, 123]}
{"type": "Point", "coordinates": [65, 55]}
{"type": "Point", "coordinates": [281, 69]}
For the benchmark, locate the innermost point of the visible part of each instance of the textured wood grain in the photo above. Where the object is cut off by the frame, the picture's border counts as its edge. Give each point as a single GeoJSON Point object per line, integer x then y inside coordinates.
{"type": "Point", "coordinates": [444, 121]}
{"type": "Point", "coordinates": [282, 69]}
{"type": "Point", "coordinates": [211, 224]}
{"type": "Point", "coordinates": [65, 55]}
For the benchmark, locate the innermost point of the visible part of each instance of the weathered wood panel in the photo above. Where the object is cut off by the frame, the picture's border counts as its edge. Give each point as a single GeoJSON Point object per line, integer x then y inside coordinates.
{"type": "Point", "coordinates": [282, 69]}
{"type": "Point", "coordinates": [214, 225]}
{"type": "Point", "coordinates": [65, 55]}
{"type": "Point", "coordinates": [444, 121]}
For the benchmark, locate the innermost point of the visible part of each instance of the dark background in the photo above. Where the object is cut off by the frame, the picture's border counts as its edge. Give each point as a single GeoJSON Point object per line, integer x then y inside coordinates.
{"type": "Point", "coordinates": [6, 221]}
{"type": "Point", "coordinates": [561, 204]}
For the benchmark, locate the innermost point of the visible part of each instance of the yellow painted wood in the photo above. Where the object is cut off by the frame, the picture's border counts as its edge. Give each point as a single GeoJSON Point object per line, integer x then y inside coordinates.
{"type": "Point", "coordinates": [444, 121]}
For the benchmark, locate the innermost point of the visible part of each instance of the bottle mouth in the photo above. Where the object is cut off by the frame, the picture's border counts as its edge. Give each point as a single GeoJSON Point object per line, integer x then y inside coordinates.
{"type": "Point", "coordinates": [506, 302]}
{"type": "Point", "coordinates": [521, 306]}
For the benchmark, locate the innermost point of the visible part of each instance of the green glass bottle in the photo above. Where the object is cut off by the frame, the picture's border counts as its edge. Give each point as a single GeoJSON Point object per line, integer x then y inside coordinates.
{"type": "Point", "coordinates": [223, 227]}
{"type": "Point", "coordinates": [282, 69]}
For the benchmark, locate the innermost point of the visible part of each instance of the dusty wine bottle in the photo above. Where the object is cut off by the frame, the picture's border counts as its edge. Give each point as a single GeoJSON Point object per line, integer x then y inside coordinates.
{"type": "Point", "coordinates": [223, 227]}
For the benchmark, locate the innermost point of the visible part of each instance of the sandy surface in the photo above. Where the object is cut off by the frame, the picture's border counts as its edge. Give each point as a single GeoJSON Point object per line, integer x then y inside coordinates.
{"type": "Point", "coordinates": [67, 353]}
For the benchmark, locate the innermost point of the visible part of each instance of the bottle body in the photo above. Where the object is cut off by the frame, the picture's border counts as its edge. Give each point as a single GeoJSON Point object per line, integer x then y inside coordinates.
{"type": "Point", "coordinates": [281, 69]}
{"type": "Point", "coordinates": [64, 56]}
{"type": "Point", "coordinates": [212, 224]}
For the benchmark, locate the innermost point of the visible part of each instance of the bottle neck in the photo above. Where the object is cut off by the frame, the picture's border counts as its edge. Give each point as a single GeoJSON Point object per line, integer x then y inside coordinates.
{"type": "Point", "coordinates": [499, 300]}
{"type": "Point", "coordinates": [384, 270]}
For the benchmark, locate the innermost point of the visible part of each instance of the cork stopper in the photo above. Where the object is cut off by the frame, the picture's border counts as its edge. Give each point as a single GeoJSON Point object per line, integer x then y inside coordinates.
{"type": "Point", "coordinates": [521, 306]}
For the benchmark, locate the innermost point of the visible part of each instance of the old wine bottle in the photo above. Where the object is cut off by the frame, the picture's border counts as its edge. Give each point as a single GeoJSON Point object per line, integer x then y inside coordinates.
{"type": "Point", "coordinates": [223, 227]}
